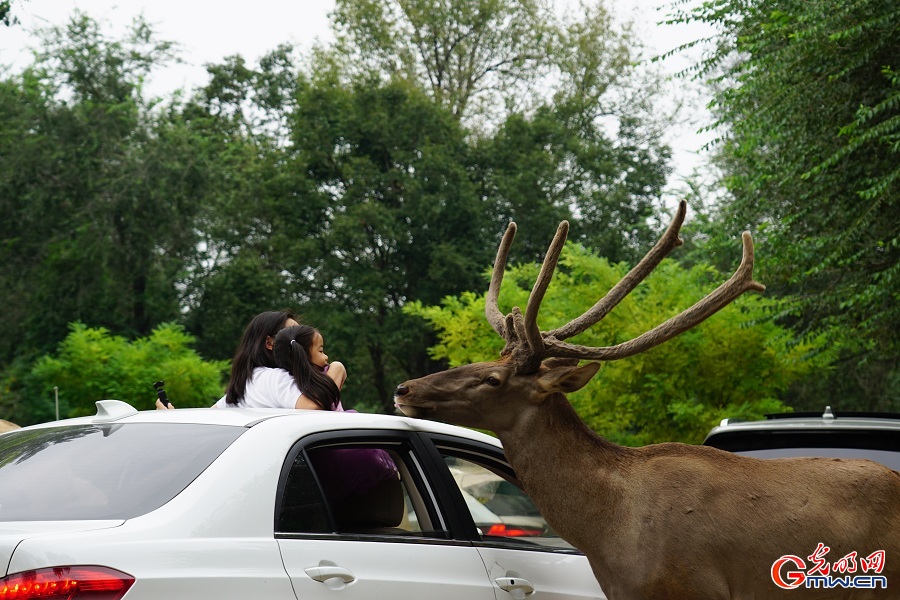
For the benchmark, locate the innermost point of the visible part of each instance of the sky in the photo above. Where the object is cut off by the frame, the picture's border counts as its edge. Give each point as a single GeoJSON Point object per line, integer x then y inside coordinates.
{"type": "Point", "coordinates": [209, 30]}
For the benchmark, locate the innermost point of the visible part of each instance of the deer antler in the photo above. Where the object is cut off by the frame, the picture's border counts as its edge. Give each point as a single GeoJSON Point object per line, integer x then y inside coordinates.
{"type": "Point", "coordinates": [529, 346]}
{"type": "Point", "coordinates": [740, 282]}
{"type": "Point", "coordinates": [491, 310]}
{"type": "Point", "coordinates": [521, 332]}
{"type": "Point", "coordinates": [668, 242]}
{"type": "Point", "coordinates": [532, 333]}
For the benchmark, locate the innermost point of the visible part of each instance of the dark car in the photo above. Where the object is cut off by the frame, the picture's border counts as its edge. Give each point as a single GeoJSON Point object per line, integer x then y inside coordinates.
{"type": "Point", "coordinates": [874, 436]}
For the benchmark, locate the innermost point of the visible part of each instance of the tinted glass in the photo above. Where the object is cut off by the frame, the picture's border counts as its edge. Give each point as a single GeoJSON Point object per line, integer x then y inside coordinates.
{"type": "Point", "coordinates": [110, 471]}
{"type": "Point", "coordinates": [879, 445]}
{"type": "Point", "coordinates": [302, 508]}
{"type": "Point", "coordinates": [353, 488]}
{"type": "Point", "coordinates": [885, 457]}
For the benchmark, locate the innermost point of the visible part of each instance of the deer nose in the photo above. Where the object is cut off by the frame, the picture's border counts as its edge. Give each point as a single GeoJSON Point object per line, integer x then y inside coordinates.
{"type": "Point", "coordinates": [401, 390]}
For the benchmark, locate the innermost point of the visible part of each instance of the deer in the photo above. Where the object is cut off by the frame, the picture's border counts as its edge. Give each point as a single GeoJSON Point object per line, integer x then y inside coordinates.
{"type": "Point", "coordinates": [666, 521]}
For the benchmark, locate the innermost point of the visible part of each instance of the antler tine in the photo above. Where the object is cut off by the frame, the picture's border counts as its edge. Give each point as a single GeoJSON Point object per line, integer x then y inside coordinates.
{"type": "Point", "coordinates": [491, 310]}
{"type": "Point", "coordinates": [532, 333]}
{"type": "Point", "coordinates": [668, 242]}
{"type": "Point", "coordinates": [740, 282]}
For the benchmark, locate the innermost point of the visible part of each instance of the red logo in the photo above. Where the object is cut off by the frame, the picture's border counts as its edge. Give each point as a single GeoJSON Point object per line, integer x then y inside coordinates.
{"type": "Point", "coordinates": [794, 578]}
{"type": "Point", "coordinates": [791, 572]}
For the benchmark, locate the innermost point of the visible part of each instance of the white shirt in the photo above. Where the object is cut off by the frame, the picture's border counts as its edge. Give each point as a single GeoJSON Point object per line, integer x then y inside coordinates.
{"type": "Point", "coordinates": [267, 388]}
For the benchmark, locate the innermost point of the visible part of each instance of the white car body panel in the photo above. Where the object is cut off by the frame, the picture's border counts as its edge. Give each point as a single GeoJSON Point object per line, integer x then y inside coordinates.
{"type": "Point", "coordinates": [216, 538]}
{"type": "Point", "coordinates": [382, 569]}
{"type": "Point", "coordinates": [13, 534]}
{"type": "Point", "coordinates": [565, 577]}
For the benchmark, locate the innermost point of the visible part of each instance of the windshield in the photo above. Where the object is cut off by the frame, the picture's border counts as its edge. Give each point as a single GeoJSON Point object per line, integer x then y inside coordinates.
{"type": "Point", "coordinates": [109, 471]}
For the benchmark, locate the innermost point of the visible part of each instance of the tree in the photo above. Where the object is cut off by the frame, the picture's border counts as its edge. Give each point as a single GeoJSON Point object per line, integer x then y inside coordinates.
{"type": "Point", "coordinates": [809, 98]}
{"type": "Point", "coordinates": [559, 110]}
{"type": "Point", "coordinates": [350, 200]}
{"type": "Point", "coordinates": [404, 220]}
{"type": "Point", "coordinates": [332, 189]}
{"type": "Point", "coordinates": [735, 364]}
{"type": "Point", "coordinates": [260, 215]}
{"type": "Point", "coordinates": [6, 16]}
{"type": "Point", "coordinates": [542, 169]}
{"type": "Point", "coordinates": [487, 59]}
{"type": "Point", "coordinates": [96, 188]}
{"type": "Point", "coordinates": [460, 51]}
{"type": "Point", "coordinates": [356, 185]}
{"type": "Point", "coordinates": [91, 364]}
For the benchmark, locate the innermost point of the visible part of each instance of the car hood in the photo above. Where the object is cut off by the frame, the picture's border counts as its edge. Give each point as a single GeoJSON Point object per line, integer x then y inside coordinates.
{"type": "Point", "coordinates": [12, 534]}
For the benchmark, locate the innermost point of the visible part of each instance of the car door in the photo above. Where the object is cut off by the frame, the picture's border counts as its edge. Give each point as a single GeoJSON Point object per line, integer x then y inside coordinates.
{"type": "Point", "coordinates": [349, 528]}
{"type": "Point", "coordinates": [524, 558]}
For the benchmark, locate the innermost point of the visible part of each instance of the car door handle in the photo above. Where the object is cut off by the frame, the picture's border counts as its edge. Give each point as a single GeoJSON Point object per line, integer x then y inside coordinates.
{"type": "Point", "coordinates": [516, 586]}
{"type": "Point", "coordinates": [324, 573]}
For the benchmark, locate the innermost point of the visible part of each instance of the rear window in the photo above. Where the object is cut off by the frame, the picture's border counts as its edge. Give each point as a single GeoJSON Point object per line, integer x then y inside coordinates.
{"type": "Point", "coordinates": [889, 459]}
{"type": "Point", "coordinates": [109, 471]}
{"type": "Point", "coordinates": [879, 445]}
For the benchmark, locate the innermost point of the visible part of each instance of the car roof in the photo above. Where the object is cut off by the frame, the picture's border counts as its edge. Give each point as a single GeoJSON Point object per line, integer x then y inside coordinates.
{"type": "Point", "coordinates": [827, 421]}
{"type": "Point", "coordinates": [116, 411]}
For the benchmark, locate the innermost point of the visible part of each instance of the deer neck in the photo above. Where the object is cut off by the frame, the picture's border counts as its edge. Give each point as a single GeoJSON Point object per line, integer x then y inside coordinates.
{"type": "Point", "coordinates": [565, 466]}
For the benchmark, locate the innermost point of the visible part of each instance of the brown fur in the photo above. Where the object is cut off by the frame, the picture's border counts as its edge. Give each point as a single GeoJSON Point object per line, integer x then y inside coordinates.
{"type": "Point", "coordinates": [670, 521]}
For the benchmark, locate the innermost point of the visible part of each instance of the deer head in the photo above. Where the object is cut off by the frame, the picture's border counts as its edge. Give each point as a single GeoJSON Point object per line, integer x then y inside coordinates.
{"type": "Point", "coordinates": [536, 364]}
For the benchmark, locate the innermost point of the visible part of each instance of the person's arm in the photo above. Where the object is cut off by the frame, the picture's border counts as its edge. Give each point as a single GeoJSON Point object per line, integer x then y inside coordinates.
{"type": "Point", "coordinates": [306, 403]}
{"type": "Point", "coordinates": [338, 373]}
{"type": "Point", "coordinates": [161, 406]}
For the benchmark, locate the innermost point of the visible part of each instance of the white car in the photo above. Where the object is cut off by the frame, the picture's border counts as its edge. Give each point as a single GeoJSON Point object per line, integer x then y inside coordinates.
{"type": "Point", "coordinates": [252, 503]}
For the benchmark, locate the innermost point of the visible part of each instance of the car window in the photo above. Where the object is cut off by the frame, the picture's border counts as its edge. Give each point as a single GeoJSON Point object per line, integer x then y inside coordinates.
{"type": "Point", "coordinates": [109, 471]}
{"type": "Point", "coordinates": [301, 506]}
{"type": "Point", "coordinates": [886, 457]}
{"type": "Point", "coordinates": [356, 488]}
{"type": "Point", "coordinates": [879, 445]}
{"type": "Point", "coordinates": [501, 510]}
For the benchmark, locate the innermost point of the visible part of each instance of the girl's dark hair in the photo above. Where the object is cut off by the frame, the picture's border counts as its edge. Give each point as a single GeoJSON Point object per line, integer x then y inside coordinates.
{"type": "Point", "coordinates": [292, 354]}
{"type": "Point", "coordinates": [252, 351]}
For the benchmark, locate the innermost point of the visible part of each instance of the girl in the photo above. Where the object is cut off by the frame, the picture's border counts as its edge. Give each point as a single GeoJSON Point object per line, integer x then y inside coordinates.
{"type": "Point", "coordinates": [253, 354]}
{"type": "Point", "coordinates": [256, 380]}
{"type": "Point", "coordinates": [300, 350]}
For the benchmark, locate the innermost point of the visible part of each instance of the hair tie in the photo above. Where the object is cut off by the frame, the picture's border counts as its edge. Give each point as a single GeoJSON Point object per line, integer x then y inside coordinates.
{"type": "Point", "coordinates": [293, 342]}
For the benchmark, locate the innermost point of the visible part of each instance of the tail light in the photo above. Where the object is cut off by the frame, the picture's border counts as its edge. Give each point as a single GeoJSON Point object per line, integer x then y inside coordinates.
{"type": "Point", "coordinates": [69, 583]}
{"type": "Point", "coordinates": [504, 530]}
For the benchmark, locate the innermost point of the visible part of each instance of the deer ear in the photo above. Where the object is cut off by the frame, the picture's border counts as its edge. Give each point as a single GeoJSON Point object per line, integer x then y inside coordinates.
{"type": "Point", "coordinates": [567, 379]}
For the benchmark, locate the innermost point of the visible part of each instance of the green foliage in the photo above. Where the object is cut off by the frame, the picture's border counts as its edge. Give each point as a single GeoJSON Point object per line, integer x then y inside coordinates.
{"type": "Point", "coordinates": [366, 202]}
{"type": "Point", "coordinates": [96, 190]}
{"type": "Point", "coordinates": [463, 52]}
{"type": "Point", "coordinates": [735, 364]}
{"type": "Point", "coordinates": [539, 93]}
{"type": "Point", "coordinates": [538, 170]}
{"type": "Point", "coordinates": [809, 97]}
{"type": "Point", "coordinates": [91, 364]}
{"type": "Point", "coordinates": [404, 222]}
{"type": "Point", "coordinates": [5, 13]}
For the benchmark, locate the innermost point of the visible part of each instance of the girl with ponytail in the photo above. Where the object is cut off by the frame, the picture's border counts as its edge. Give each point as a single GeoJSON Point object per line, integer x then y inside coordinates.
{"type": "Point", "coordinates": [300, 350]}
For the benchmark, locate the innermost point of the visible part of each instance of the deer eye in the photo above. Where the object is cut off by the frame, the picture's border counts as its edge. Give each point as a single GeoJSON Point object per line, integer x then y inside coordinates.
{"type": "Point", "coordinates": [492, 381]}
